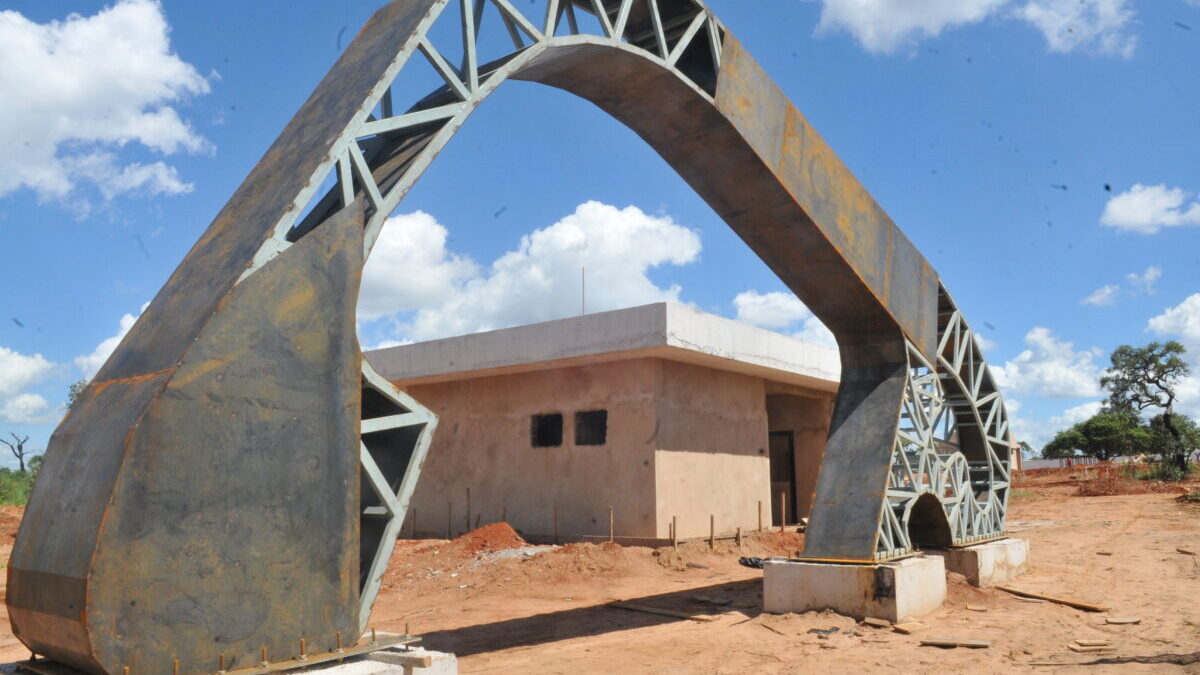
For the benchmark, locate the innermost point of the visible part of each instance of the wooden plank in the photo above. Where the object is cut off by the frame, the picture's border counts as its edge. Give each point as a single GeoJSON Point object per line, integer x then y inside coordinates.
{"type": "Point", "coordinates": [633, 607]}
{"type": "Point", "coordinates": [1093, 643]}
{"type": "Point", "coordinates": [877, 623]}
{"type": "Point", "coordinates": [951, 643]}
{"type": "Point", "coordinates": [1185, 551]}
{"type": "Point", "coordinates": [907, 628]}
{"type": "Point", "coordinates": [1061, 601]}
{"type": "Point", "coordinates": [1087, 650]}
{"type": "Point", "coordinates": [1123, 620]}
{"type": "Point", "coordinates": [976, 608]}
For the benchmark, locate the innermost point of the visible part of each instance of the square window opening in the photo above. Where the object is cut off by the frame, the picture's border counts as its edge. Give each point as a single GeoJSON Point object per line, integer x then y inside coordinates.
{"type": "Point", "coordinates": [591, 427]}
{"type": "Point", "coordinates": [546, 431]}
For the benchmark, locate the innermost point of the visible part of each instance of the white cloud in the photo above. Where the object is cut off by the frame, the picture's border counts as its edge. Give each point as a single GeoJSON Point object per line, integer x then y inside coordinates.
{"type": "Point", "coordinates": [540, 280]}
{"type": "Point", "coordinates": [90, 86]}
{"type": "Point", "coordinates": [1095, 25]}
{"type": "Point", "coordinates": [1074, 415]}
{"type": "Point", "coordinates": [90, 363]}
{"type": "Point", "coordinates": [17, 373]}
{"type": "Point", "coordinates": [778, 311]}
{"type": "Point", "coordinates": [1105, 295]}
{"type": "Point", "coordinates": [1145, 209]}
{"type": "Point", "coordinates": [1182, 320]}
{"type": "Point", "coordinates": [985, 344]}
{"type": "Point", "coordinates": [410, 268]}
{"type": "Point", "coordinates": [1050, 367]}
{"type": "Point", "coordinates": [883, 26]}
{"type": "Point", "coordinates": [1144, 282]}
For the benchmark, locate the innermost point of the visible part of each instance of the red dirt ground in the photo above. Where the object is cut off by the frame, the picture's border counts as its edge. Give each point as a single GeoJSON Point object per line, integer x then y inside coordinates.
{"type": "Point", "coordinates": [505, 607]}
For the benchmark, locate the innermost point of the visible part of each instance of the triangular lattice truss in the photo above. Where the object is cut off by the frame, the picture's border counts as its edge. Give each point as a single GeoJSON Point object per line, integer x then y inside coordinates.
{"type": "Point", "coordinates": [381, 155]}
{"type": "Point", "coordinates": [952, 448]}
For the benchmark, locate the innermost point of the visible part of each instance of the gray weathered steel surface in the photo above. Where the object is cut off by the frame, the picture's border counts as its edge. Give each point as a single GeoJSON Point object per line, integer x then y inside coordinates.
{"type": "Point", "coordinates": [205, 495]}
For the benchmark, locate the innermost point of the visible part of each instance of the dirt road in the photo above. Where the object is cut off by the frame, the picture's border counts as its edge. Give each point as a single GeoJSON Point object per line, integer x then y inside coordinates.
{"type": "Point", "coordinates": [502, 608]}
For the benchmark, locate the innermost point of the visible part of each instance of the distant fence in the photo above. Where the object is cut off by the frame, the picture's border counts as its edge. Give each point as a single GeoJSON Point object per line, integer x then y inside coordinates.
{"type": "Point", "coordinates": [1031, 464]}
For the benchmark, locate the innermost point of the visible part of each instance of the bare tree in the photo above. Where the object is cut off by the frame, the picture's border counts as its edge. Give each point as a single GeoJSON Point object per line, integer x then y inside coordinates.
{"type": "Point", "coordinates": [18, 448]}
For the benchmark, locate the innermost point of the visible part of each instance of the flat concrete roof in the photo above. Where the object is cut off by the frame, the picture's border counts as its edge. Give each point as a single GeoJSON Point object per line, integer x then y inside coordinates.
{"type": "Point", "coordinates": [662, 330]}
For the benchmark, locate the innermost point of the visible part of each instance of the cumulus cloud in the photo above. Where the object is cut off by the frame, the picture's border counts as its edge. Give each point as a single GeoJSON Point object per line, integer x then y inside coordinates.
{"type": "Point", "coordinates": [89, 87]}
{"type": "Point", "coordinates": [411, 268]}
{"type": "Point", "coordinates": [1144, 282]}
{"type": "Point", "coordinates": [1096, 25]}
{"type": "Point", "coordinates": [539, 281]}
{"type": "Point", "coordinates": [782, 312]}
{"type": "Point", "coordinates": [1103, 296]}
{"type": "Point", "coordinates": [90, 364]}
{"type": "Point", "coordinates": [19, 372]}
{"type": "Point", "coordinates": [885, 26]}
{"type": "Point", "coordinates": [1050, 367]}
{"type": "Point", "coordinates": [1145, 209]}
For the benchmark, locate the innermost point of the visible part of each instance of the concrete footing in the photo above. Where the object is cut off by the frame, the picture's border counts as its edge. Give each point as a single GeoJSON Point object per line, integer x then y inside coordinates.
{"type": "Point", "coordinates": [990, 563]}
{"type": "Point", "coordinates": [894, 590]}
{"type": "Point", "coordinates": [396, 661]}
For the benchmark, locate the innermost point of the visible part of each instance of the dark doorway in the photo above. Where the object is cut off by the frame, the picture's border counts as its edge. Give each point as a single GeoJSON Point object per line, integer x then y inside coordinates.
{"type": "Point", "coordinates": [783, 477]}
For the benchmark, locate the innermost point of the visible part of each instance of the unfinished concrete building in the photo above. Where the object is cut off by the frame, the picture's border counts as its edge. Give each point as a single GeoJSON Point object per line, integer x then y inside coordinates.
{"type": "Point", "coordinates": [661, 412]}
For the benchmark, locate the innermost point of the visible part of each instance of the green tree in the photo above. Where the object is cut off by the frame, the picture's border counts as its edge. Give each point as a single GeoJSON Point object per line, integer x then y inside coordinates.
{"type": "Point", "coordinates": [1147, 377]}
{"type": "Point", "coordinates": [74, 392]}
{"type": "Point", "coordinates": [1105, 435]}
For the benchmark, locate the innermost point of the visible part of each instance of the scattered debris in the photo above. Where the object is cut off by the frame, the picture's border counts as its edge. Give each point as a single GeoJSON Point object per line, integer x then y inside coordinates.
{"type": "Point", "coordinates": [753, 563]}
{"type": "Point", "coordinates": [1087, 642]}
{"type": "Point", "coordinates": [697, 566]}
{"type": "Point", "coordinates": [1123, 620]}
{"type": "Point", "coordinates": [1024, 599]}
{"type": "Point", "coordinates": [1088, 648]}
{"type": "Point", "coordinates": [907, 628]}
{"type": "Point", "coordinates": [773, 630]}
{"type": "Point", "coordinates": [1103, 552]}
{"type": "Point", "coordinates": [823, 631]}
{"type": "Point", "coordinates": [720, 602]}
{"type": "Point", "coordinates": [661, 612]}
{"type": "Point", "coordinates": [976, 608]}
{"type": "Point", "coordinates": [1069, 603]}
{"type": "Point", "coordinates": [1185, 551]}
{"type": "Point", "coordinates": [877, 623]}
{"type": "Point", "coordinates": [951, 643]}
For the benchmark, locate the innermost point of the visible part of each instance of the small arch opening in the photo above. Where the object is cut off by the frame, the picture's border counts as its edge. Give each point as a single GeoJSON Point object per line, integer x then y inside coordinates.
{"type": "Point", "coordinates": [928, 526]}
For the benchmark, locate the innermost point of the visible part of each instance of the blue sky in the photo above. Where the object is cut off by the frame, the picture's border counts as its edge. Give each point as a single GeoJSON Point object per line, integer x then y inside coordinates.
{"type": "Point", "coordinates": [1041, 153]}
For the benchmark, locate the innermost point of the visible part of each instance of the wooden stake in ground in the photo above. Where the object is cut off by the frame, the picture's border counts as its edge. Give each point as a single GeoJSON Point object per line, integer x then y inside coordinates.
{"type": "Point", "coordinates": [610, 524]}
{"type": "Point", "coordinates": [712, 531]}
{"type": "Point", "coordinates": [1069, 603]}
{"type": "Point", "coordinates": [760, 515]}
{"type": "Point", "coordinates": [782, 510]}
{"type": "Point", "coordinates": [674, 532]}
{"type": "Point", "coordinates": [738, 537]}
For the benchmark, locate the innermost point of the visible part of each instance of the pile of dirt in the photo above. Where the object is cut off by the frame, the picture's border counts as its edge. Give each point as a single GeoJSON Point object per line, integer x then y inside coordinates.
{"type": "Point", "coordinates": [1116, 484]}
{"type": "Point", "coordinates": [489, 538]}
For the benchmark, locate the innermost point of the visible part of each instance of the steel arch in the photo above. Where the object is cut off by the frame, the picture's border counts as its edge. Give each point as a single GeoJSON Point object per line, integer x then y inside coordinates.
{"type": "Point", "coordinates": [217, 463]}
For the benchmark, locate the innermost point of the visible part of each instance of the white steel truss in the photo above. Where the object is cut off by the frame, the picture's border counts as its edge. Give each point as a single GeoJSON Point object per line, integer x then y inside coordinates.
{"type": "Point", "coordinates": [390, 479]}
{"type": "Point", "coordinates": [952, 443]}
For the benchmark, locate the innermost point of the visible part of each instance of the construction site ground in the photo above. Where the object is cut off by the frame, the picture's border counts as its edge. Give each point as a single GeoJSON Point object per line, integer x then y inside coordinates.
{"type": "Point", "coordinates": [503, 606]}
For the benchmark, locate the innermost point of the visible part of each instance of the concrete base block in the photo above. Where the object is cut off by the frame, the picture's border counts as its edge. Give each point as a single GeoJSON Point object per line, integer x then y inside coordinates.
{"type": "Point", "coordinates": [396, 661]}
{"type": "Point", "coordinates": [990, 563]}
{"type": "Point", "coordinates": [894, 591]}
